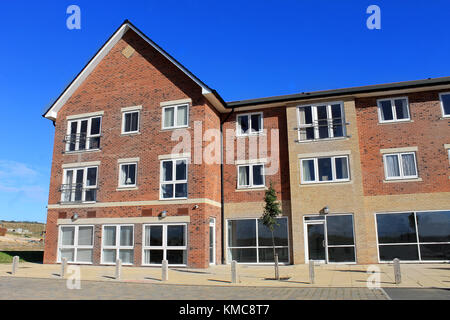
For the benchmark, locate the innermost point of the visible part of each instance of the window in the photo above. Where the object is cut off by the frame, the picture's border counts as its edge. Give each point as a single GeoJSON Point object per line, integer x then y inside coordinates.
{"type": "Point", "coordinates": [76, 243]}
{"type": "Point", "coordinates": [248, 124]}
{"type": "Point", "coordinates": [118, 243]}
{"type": "Point", "coordinates": [130, 122]}
{"type": "Point", "coordinates": [127, 175]}
{"type": "Point", "coordinates": [392, 110]}
{"type": "Point", "coordinates": [165, 242]}
{"type": "Point", "coordinates": [83, 134]}
{"type": "Point", "coordinates": [327, 169]}
{"type": "Point", "coordinates": [249, 241]}
{"type": "Point", "coordinates": [251, 176]}
{"type": "Point", "coordinates": [79, 185]}
{"type": "Point", "coordinates": [445, 104]}
{"type": "Point", "coordinates": [400, 165]}
{"type": "Point", "coordinates": [414, 236]}
{"type": "Point", "coordinates": [321, 121]}
{"type": "Point", "coordinates": [174, 179]}
{"type": "Point", "coordinates": [175, 116]}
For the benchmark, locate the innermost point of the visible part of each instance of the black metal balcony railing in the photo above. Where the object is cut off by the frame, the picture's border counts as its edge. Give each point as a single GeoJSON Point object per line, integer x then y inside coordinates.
{"type": "Point", "coordinates": [78, 142]}
{"type": "Point", "coordinates": [72, 193]}
{"type": "Point", "coordinates": [326, 128]}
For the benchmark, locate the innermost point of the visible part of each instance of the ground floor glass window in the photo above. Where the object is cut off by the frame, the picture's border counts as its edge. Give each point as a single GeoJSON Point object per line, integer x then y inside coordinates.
{"type": "Point", "coordinates": [76, 243]}
{"type": "Point", "coordinates": [165, 242]}
{"type": "Point", "coordinates": [249, 241]}
{"type": "Point", "coordinates": [118, 243]}
{"type": "Point", "coordinates": [414, 236]}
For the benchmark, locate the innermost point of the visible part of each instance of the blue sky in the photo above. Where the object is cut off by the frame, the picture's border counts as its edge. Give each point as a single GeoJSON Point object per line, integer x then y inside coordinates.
{"type": "Point", "coordinates": [243, 49]}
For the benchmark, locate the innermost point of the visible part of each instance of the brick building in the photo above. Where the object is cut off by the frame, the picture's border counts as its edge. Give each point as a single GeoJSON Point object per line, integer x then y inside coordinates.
{"type": "Point", "coordinates": [149, 163]}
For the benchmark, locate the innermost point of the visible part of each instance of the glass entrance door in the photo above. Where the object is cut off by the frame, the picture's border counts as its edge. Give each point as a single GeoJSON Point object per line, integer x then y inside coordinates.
{"type": "Point", "coordinates": [316, 243]}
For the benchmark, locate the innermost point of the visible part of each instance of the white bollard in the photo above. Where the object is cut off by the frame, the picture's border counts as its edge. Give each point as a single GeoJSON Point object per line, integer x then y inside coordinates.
{"type": "Point", "coordinates": [118, 269]}
{"type": "Point", "coordinates": [165, 270]}
{"type": "Point", "coordinates": [397, 271]}
{"type": "Point", "coordinates": [234, 274]}
{"type": "Point", "coordinates": [63, 267]}
{"type": "Point", "coordinates": [15, 264]}
{"type": "Point", "coordinates": [311, 272]}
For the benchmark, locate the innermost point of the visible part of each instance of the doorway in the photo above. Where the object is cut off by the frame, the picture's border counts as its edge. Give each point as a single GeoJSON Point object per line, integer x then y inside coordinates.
{"type": "Point", "coordinates": [315, 240]}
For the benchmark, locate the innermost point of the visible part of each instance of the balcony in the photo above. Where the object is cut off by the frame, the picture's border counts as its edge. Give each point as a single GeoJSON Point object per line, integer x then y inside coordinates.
{"type": "Point", "coordinates": [322, 129]}
{"type": "Point", "coordinates": [78, 193]}
{"type": "Point", "coordinates": [81, 142]}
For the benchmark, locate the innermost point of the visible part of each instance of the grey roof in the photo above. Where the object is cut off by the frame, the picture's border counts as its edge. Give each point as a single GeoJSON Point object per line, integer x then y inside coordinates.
{"type": "Point", "coordinates": [341, 92]}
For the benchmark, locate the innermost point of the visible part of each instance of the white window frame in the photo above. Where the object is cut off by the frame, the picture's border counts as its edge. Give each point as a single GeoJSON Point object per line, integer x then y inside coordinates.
{"type": "Point", "coordinates": [250, 176]}
{"type": "Point", "coordinates": [315, 123]}
{"type": "Point", "coordinates": [417, 242]}
{"type": "Point", "coordinates": [120, 185]}
{"type": "Point", "coordinates": [124, 113]}
{"type": "Point", "coordinates": [257, 246]}
{"type": "Point", "coordinates": [400, 164]}
{"type": "Point", "coordinates": [394, 111]}
{"type": "Point", "coordinates": [88, 134]}
{"type": "Point", "coordinates": [117, 246]}
{"type": "Point", "coordinates": [84, 186]}
{"type": "Point", "coordinates": [442, 104]}
{"type": "Point", "coordinates": [75, 245]}
{"type": "Point", "coordinates": [316, 170]}
{"type": "Point", "coordinates": [250, 132]}
{"type": "Point", "coordinates": [173, 181]}
{"type": "Point", "coordinates": [175, 116]}
{"type": "Point", "coordinates": [164, 245]}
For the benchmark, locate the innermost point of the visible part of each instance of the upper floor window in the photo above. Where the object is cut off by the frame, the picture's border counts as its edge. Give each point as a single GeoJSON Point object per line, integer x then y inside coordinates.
{"type": "Point", "coordinates": [324, 169]}
{"type": "Point", "coordinates": [79, 185]}
{"type": "Point", "coordinates": [175, 116]}
{"type": "Point", "coordinates": [392, 110]}
{"type": "Point", "coordinates": [251, 176]}
{"type": "Point", "coordinates": [127, 175]}
{"type": "Point", "coordinates": [174, 179]}
{"type": "Point", "coordinates": [321, 121]}
{"type": "Point", "coordinates": [400, 165]}
{"type": "Point", "coordinates": [130, 122]}
{"type": "Point", "coordinates": [445, 104]}
{"type": "Point", "coordinates": [248, 124]}
{"type": "Point", "coordinates": [83, 134]}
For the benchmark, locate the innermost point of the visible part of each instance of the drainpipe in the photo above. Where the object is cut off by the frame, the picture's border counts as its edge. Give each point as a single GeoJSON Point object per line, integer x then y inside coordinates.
{"type": "Point", "coordinates": [222, 200]}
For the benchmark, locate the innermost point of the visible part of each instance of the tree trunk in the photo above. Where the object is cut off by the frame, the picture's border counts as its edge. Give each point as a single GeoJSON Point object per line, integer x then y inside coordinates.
{"type": "Point", "coordinates": [275, 258]}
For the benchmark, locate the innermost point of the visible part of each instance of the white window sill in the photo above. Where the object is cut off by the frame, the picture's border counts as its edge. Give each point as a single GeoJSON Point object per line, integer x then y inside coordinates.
{"type": "Point", "coordinates": [323, 140]}
{"type": "Point", "coordinates": [250, 135]}
{"type": "Point", "coordinates": [240, 189]}
{"type": "Point", "coordinates": [134, 133]}
{"type": "Point", "coordinates": [172, 199]}
{"type": "Point", "coordinates": [174, 128]}
{"type": "Point", "coordinates": [82, 151]}
{"type": "Point", "coordinates": [396, 121]}
{"type": "Point", "coordinates": [77, 203]}
{"type": "Point", "coordinates": [402, 180]}
{"type": "Point", "coordinates": [325, 183]}
{"type": "Point", "coordinates": [126, 188]}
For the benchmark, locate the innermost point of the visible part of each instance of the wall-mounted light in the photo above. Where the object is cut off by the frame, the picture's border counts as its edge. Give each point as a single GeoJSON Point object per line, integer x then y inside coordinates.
{"type": "Point", "coordinates": [195, 207]}
{"type": "Point", "coordinates": [325, 210]}
{"type": "Point", "coordinates": [75, 217]}
{"type": "Point", "coordinates": [163, 214]}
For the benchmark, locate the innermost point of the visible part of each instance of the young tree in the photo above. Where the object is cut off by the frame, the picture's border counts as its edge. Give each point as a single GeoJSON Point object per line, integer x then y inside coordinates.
{"type": "Point", "coordinates": [269, 218]}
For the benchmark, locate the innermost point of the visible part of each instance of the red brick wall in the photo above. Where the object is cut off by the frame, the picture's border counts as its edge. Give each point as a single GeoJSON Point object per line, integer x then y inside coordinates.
{"type": "Point", "coordinates": [147, 79]}
{"type": "Point", "coordinates": [273, 119]}
{"type": "Point", "coordinates": [427, 130]}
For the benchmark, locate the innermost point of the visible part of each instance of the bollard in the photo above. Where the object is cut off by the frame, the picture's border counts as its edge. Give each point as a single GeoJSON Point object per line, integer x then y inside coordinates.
{"type": "Point", "coordinates": [233, 271]}
{"type": "Point", "coordinates": [311, 271]}
{"type": "Point", "coordinates": [63, 267]}
{"type": "Point", "coordinates": [118, 269]}
{"type": "Point", "coordinates": [165, 270]}
{"type": "Point", "coordinates": [277, 272]}
{"type": "Point", "coordinates": [15, 264]}
{"type": "Point", "coordinates": [397, 272]}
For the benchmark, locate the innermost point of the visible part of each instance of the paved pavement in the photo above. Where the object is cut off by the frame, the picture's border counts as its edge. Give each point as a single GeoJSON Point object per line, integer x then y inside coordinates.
{"type": "Point", "coordinates": [418, 294]}
{"type": "Point", "coordinates": [296, 276]}
{"type": "Point", "coordinates": [54, 289]}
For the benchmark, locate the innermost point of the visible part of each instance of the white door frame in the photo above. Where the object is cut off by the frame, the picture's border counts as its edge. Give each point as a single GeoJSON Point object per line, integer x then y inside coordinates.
{"type": "Point", "coordinates": [305, 226]}
{"type": "Point", "coordinates": [212, 223]}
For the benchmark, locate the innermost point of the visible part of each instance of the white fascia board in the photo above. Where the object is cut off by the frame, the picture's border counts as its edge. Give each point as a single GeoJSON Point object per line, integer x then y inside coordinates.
{"type": "Point", "coordinates": [53, 112]}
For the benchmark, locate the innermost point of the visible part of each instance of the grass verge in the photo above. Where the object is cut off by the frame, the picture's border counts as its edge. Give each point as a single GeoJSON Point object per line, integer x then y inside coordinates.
{"type": "Point", "coordinates": [24, 256]}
